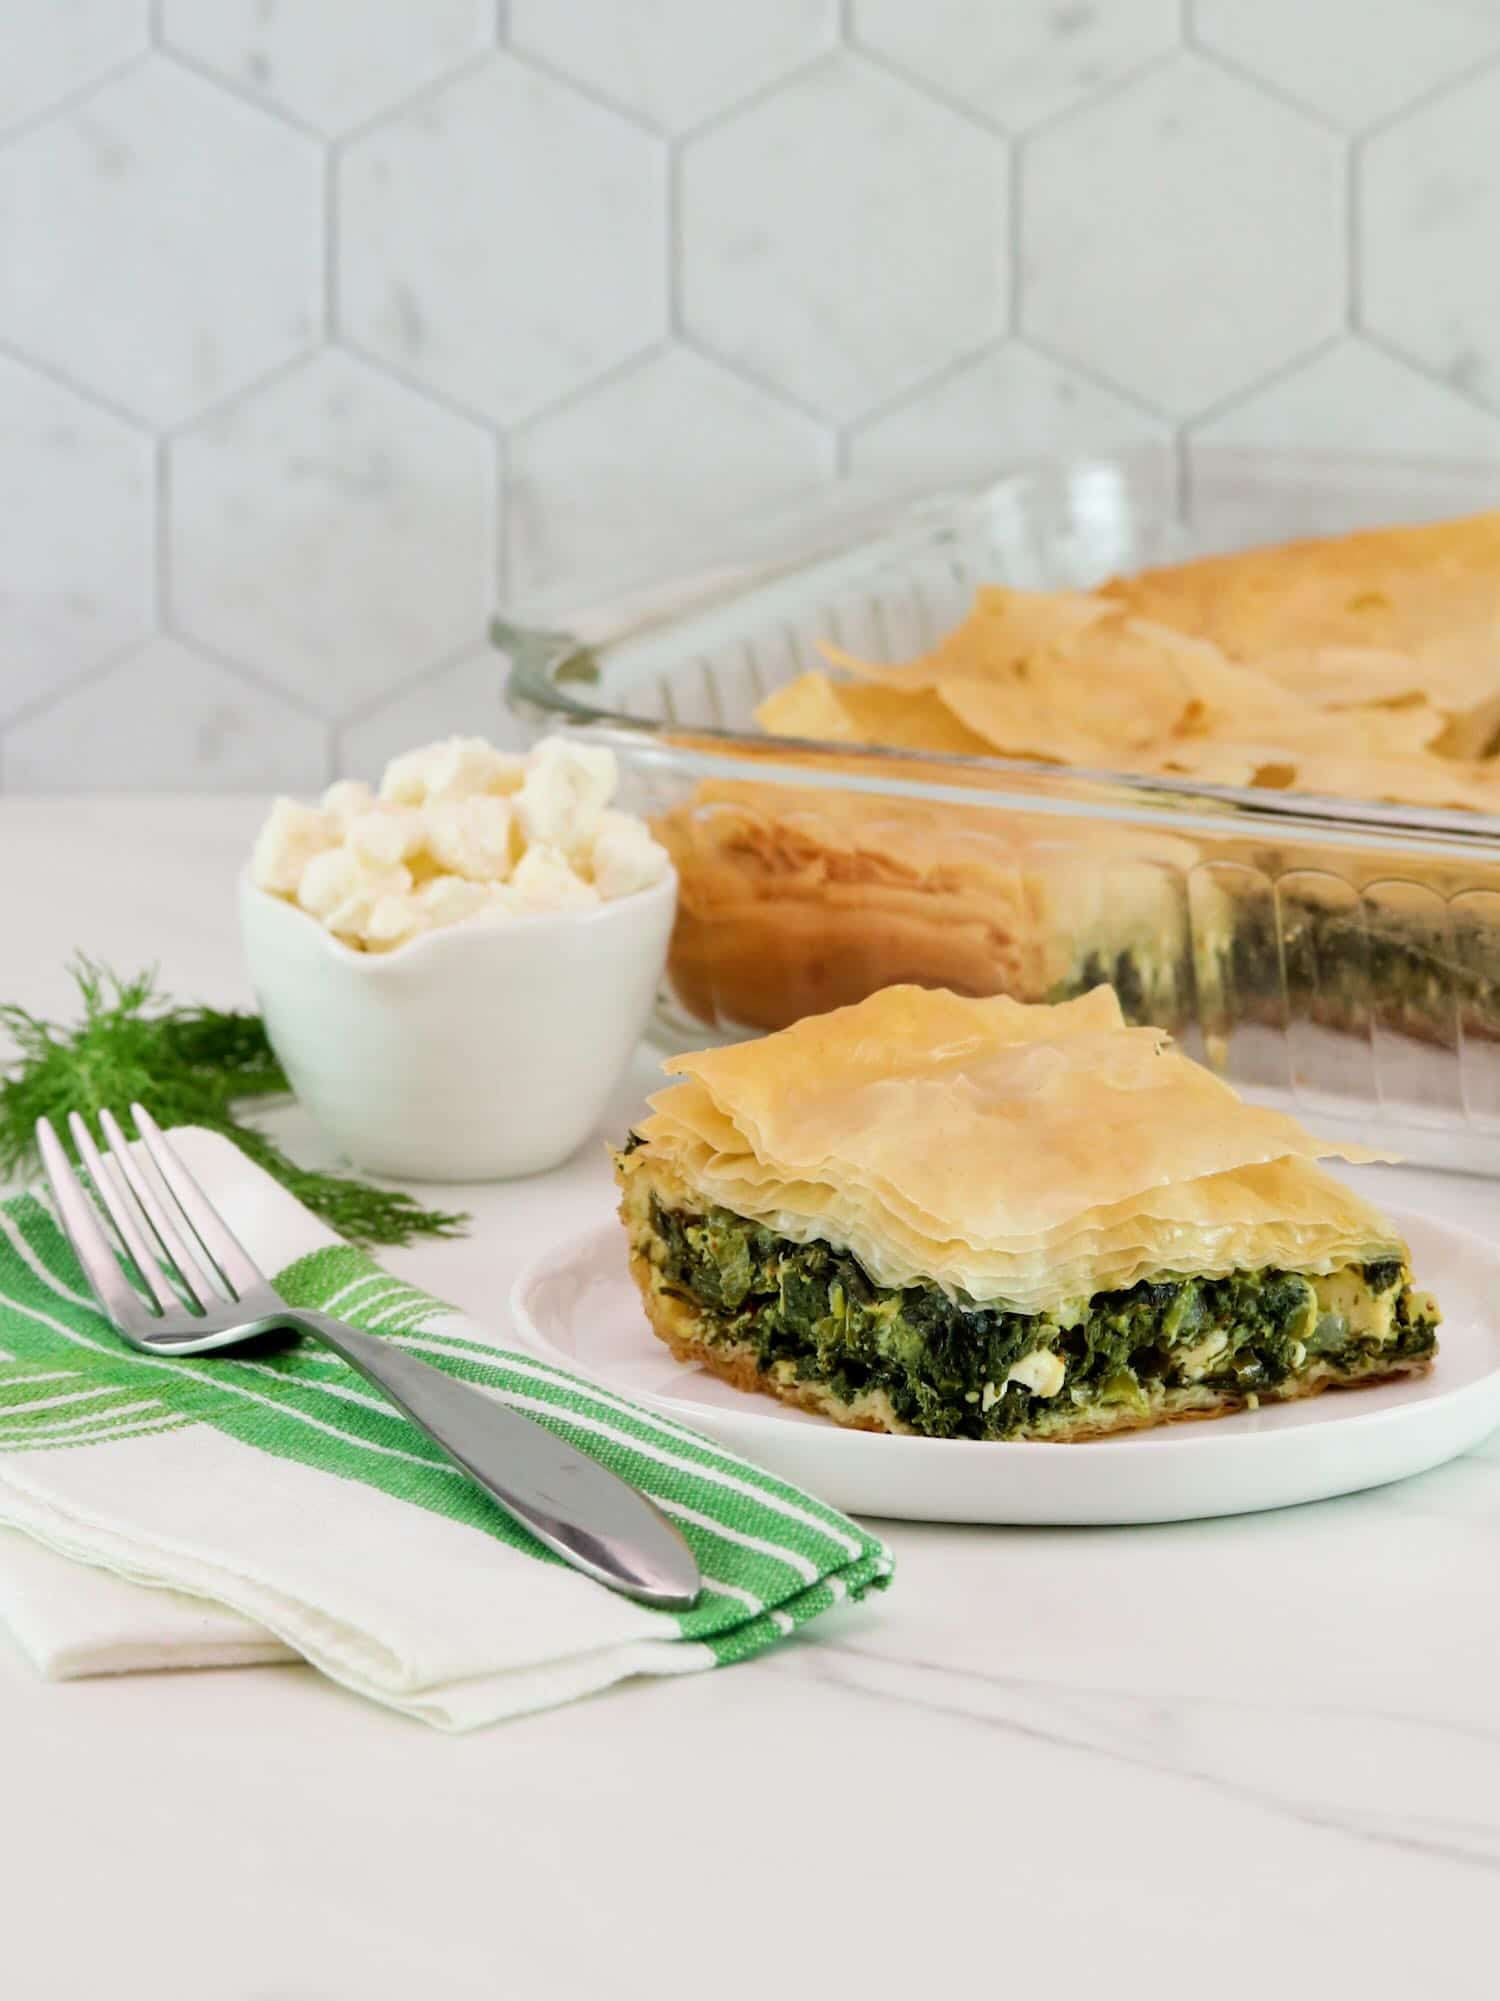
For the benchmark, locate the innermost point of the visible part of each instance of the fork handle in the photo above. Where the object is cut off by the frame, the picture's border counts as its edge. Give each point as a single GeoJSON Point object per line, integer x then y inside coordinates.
{"type": "Point", "coordinates": [589, 1516]}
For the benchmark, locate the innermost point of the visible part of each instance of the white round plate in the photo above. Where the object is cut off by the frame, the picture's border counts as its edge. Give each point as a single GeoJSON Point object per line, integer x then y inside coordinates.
{"type": "Point", "coordinates": [578, 1306]}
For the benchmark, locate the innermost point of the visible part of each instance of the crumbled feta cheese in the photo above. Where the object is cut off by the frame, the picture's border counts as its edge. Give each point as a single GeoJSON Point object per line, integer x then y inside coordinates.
{"type": "Point", "coordinates": [1041, 1372]}
{"type": "Point", "coordinates": [392, 920]}
{"type": "Point", "coordinates": [448, 899]}
{"type": "Point", "coordinates": [1193, 1362]}
{"type": "Point", "coordinates": [567, 787]}
{"type": "Point", "coordinates": [625, 859]}
{"type": "Point", "coordinates": [349, 919]}
{"type": "Point", "coordinates": [459, 830]}
{"type": "Point", "coordinates": [542, 880]}
{"type": "Point", "coordinates": [386, 834]}
{"type": "Point", "coordinates": [347, 797]}
{"type": "Point", "coordinates": [458, 768]}
{"type": "Point", "coordinates": [989, 1396]}
{"type": "Point", "coordinates": [348, 893]}
{"type": "Point", "coordinates": [472, 837]}
{"type": "Point", "coordinates": [292, 835]}
{"type": "Point", "coordinates": [332, 878]}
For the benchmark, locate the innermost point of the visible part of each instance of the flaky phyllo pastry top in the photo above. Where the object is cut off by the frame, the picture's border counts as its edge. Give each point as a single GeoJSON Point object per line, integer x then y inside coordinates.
{"type": "Point", "coordinates": [1033, 1156]}
{"type": "Point", "coordinates": [1364, 667]}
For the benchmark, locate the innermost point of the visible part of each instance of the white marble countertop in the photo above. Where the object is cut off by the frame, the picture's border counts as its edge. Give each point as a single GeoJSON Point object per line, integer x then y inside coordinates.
{"type": "Point", "coordinates": [1181, 1760]}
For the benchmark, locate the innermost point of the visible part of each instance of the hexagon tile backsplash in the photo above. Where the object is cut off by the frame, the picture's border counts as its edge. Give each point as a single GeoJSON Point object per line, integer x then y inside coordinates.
{"type": "Point", "coordinates": [326, 325]}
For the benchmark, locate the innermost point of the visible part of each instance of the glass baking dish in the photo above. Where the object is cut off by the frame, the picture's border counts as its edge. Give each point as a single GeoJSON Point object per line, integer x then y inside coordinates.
{"type": "Point", "coordinates": [1338, 957]}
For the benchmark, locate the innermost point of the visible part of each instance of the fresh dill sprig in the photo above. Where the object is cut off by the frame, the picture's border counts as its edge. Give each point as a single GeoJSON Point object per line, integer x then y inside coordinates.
{"type": "Point", "coordinates": [187, 1066]}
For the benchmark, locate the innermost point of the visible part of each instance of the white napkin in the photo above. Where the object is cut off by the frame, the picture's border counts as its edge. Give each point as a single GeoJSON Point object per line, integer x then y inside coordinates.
{"type": "Point", "coordinates": [186, 1514]}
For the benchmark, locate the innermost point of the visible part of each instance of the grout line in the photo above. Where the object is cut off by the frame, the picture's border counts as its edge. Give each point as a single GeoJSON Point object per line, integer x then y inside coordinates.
{"type": "Point", "coordinates": [958, 364]}
{"type": "Point", "coordinates": [706, 351]}
{"type": "Point", "coordinates": [408, 684]}
{"type": "Point", "coordinates": [353, 349]}
{"type": "Point", "coordinates": [75, 100]}
{"type": "Point", "coordinates": [1448, 86]}
{"type": "Point", "coordinates": [501, 513]}
{"type": "Point", "coordinates": [581, 391]}
{"type": "Point", "coordinates": [161, 518]}
{"type": "Point", "coordinates": [99, 400]}
{"type": "Point", "coordinates": [1268, 88]}
{"type": "Point", "coordinates": [468, 66]}
{"type": "Point", "coordinates": [71, 683]}
{"type": "Point", "coordinates": [250, 677]}
{"type": "Point", "coordinates": [601, 100]}
{"type": "Point", "coordinates": [253, 677]}
{"type": "Point", "coordinates": [229, 86]}
{"type": "Point", "coordinates": [500, 26]}
{"type": "Point", "coordinates": [675, 320]}
{"type": "Point", "coordinates": [1102, 93]}
{"type": "Point", "coordinates": [1282, 372]}
{"type": "Point", "coordinates": [1182, 471]}
{"type": "Point", "coordinates": [332, 238]}
{"type": "Point", "coordinates": [828, 57]}
{"type": "Point", "coordinates": [225, 405]}
{"type": "Point", "coordinates": [971, 114]}
{"type": "Point", "coordinates": [1354, 297]}
{"type": "Point", "coordinates": [1086, 372]}
{"type": "Point", "coordinates": [1355, 225]}
{"type": "Point", "coordinates": [1471, 399]}
{"type": "Point", "coordinates": [1015, 235]}
{"type": "Point", "coordinates": [844, 25]}
{"type": "Point", "coordinates": [1374, 338]}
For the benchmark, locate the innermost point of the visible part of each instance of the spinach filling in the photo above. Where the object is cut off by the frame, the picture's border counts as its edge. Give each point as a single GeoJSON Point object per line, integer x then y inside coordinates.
{"type": "Point", "coordinates": [815, 1311]}
{"type": "Point", "coordinates": [1323, 963]}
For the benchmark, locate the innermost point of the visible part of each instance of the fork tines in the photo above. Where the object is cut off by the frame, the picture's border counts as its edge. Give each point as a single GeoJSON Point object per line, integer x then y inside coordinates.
{"type": "Point", "coordinates": [182, 1251]}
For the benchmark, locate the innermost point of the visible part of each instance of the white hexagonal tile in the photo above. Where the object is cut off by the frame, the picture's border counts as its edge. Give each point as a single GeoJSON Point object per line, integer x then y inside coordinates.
{"type": "Point", "coordinates": [333, 63]}
{"type": "Point", "coordinates": [675, 62]}
{"type": "Point", "coordinates": [1359, 62]}
{"type": "Point", "coordinates": [506, 241]}
{"type": "Point", "coordinates": [1354, 398]}
{"type": "Point", "coordinates": [1183, 236]}
{"type": "Point", "coordinates": [334, 530]}
{"type": "Point", "coordinates": [845, 237]}
{"type": "Point", "coordinates": [1429, 219]}
{"type": "Point", "coordinates": [163, 242]}
{"type": "Point", "coordinates": [54, 47]}
{"type": "Point", "coordinates": [166, 720]}
{"type": "Point", "coordinates": [75, 554]}
{"type": "Point", "coordinates": [580, 506]}
{"type": "Point", "coordinates": [466, 699]}
{"type": "Point", "coordinates": [1021, 60]}
{"type": "Point", "coordinates": [1012, 406]}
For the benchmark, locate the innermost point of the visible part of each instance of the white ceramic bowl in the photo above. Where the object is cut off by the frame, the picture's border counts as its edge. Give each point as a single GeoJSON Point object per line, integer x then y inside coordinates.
{"type": "Point", "coordinates": [474, 1053]}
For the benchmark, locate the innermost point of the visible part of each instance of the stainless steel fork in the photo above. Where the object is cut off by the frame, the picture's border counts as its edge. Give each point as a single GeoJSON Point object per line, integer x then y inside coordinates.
{"type": "Point", "coordinates": [200, 1291]}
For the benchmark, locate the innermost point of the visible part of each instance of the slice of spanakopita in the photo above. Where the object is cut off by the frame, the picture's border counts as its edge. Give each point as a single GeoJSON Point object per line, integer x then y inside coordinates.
{"type": "Point", "coordinates": [980, 1219]}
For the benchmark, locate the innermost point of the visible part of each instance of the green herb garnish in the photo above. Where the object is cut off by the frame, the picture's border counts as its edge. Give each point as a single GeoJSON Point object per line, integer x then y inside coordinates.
{"type": "Point", "coordinates": [187, 1066]}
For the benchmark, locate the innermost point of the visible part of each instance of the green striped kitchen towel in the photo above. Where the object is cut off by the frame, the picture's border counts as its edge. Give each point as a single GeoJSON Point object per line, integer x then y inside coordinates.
{"type": "Point", "coordinates": [278, 1507]}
